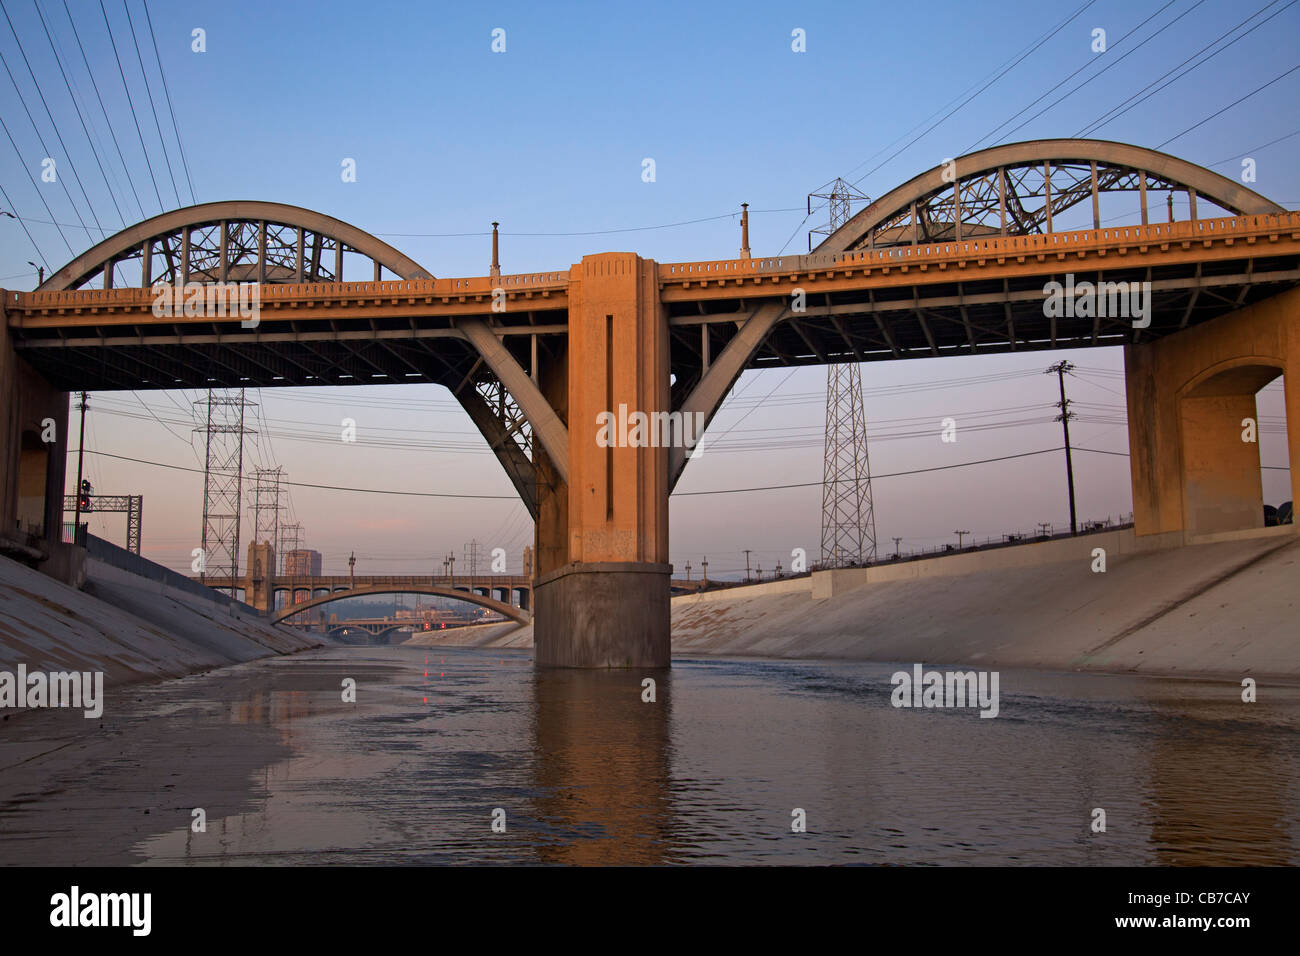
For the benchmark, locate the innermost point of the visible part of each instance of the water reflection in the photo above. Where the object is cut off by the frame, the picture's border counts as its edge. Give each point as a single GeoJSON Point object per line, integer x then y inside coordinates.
{"type": "Point", "coordinates": [1220, 795]}
{"type": "Point", "coordinates": [601, 766]}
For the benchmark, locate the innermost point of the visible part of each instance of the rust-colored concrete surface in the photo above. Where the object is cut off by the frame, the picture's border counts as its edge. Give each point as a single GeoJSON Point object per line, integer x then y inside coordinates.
{"type": "Point", "coordinates": [1187, 397]}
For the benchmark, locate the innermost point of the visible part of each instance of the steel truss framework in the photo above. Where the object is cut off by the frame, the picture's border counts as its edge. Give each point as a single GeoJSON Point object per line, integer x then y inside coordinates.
{"type": "Point", "coordinates": [222, 485]}
{"type": "Point", "coordinates": [266, 506]}
{"type": "Point", "coordinates": [1026, 188]}
{"type": "Point", "coordinates": [1018, 189]}
{"type": "Point", "coordinates": [274, 244]}
{"type": "Point", "coordinates": [131, 505]}
{"type": "Point", "coordinates": [848, 516]}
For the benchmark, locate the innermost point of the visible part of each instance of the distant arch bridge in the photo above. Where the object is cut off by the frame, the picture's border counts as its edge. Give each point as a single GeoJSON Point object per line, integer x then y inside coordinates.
{"type": "Point", "coordinates": [521, 615]}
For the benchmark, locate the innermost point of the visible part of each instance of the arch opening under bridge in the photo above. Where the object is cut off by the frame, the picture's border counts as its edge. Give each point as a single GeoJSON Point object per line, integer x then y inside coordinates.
{"type": "Point", "coordinates": [517, 614]}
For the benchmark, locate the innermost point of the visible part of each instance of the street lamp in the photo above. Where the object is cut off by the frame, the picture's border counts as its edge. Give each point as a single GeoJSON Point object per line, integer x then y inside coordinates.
{"type": "Point", "coordinates": [40, 271]}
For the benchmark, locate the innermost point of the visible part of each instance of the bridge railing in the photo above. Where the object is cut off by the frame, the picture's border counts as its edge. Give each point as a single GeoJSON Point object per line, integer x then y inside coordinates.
{"type": "Point", "coordinates": [135, 297]}
{"type": "Point", "coordinates": [990, 247]}
{"type": "Point", "coordinates": [984, 247]}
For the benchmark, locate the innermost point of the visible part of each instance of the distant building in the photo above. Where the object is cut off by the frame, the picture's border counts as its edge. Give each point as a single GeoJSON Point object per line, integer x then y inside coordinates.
{"type": "Point", "coordinates": [302, 563]}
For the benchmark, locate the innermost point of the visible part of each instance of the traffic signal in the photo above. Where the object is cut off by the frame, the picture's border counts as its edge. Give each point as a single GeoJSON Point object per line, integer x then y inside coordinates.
{"type": "Point", "coordinates": [85, 495]}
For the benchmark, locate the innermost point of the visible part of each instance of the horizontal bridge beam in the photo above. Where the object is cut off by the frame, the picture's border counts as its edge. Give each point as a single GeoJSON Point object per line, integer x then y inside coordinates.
{"type": "Point", "coordinates": [252, 337]}
{"type": "Point", "coordinates": [992, 298]}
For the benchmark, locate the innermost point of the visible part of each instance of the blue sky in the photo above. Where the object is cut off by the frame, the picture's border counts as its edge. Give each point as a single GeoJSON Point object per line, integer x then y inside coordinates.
{"type": "Point", "coordinates": [549, 138]}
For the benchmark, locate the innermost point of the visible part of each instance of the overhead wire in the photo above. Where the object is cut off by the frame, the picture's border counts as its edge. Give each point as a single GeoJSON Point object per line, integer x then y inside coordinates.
{"type": "Point", "coordinates": [148, 89]}
{"type": "Point", "coordinates": [103, 109]}
{"type": "Point", "coordinates": [67, 155]}
{"type": "Point", "coordinates": [131, 102]}
{"type": "Point", "coordinates": [180, 143]}
{"type": "Point", "coordinates": [1137, 98]}
{"type": "Point", "coordinates": [80, 116]}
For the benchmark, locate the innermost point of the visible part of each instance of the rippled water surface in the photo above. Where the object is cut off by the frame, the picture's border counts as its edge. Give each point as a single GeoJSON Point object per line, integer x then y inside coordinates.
{"type": "Point", "coordinates": [586, 772]}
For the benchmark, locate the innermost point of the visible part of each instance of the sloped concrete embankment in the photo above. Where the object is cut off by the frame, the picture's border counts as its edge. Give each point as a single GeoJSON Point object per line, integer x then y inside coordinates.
{"type": "Point", "coordinates": [1225, 607]}
{"type": "Point", "coordinates": [130, 627]}
{"type": "Point", "coordinates": [502, 634]}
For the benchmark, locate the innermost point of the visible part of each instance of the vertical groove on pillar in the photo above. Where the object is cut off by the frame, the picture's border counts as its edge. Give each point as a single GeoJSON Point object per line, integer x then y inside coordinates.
{"type": "Point", "coordinates": [609, 407]}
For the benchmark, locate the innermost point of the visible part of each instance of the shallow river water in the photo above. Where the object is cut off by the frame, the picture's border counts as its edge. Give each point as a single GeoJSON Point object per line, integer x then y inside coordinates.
{"type": "Point", "coordinates": [579, 769]}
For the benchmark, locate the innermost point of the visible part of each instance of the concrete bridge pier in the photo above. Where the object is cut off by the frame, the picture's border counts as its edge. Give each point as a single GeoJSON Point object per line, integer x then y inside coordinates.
{"type": "Point", "coordinates": [32, 470]}
{"type": "Point", "coordinates": [1188, 395]}
{"type": "Point", "coordinates": [259, 589]}
{"type": "Point", "coordinates": [602, 586]}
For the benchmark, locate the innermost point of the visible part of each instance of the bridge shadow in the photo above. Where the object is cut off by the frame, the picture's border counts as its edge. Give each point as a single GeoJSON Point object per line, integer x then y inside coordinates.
{"type": "Point", "coordinates": [602, 766]}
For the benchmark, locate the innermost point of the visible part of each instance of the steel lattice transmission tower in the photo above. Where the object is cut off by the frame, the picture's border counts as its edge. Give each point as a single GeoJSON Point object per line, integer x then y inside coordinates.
{"type": "Point", "coordinates": [223, 483]}
{"type": "Point", "coordinates": [290, 540]}
{"type": "Point", "coordinates": [840, 197]}
{"type": "Point", "coordinates": [266, 506]}
{"type": "Point", "coordinates": [848, 518]}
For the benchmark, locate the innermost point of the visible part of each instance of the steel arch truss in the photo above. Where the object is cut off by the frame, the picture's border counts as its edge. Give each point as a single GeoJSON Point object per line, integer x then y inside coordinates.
{"type": "Point", "coordinates": [232, 242]}
{"type": "Point", "coordinates": [274, 243]}
{"type": "Point", "coordinates": [1023, 188]}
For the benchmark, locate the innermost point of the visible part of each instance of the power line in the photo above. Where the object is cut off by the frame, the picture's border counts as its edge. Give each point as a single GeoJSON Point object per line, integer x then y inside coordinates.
{"type": "Point", "coordinates": [103, 109]}
{"type": "Point", "coordinates": [1061, 26]}
{"type": "Point", "coordinates": [1256, 149]}
{"type": "Point", "coordinates": [59, 136]}
{"type": "Point", "coordinates": [1106, 118]}
{"type": "Point", "coordinates": [1257, 89]}
{"type": "Point", "coordinates": [1124, 454]}
{"type": "Point", "coordinates": [179, 142]}
{"type": "Point", "coordinates": [561, 235]}
{"type": "Point", "coordinates": [441, 494]}
{"type": "Point", "coordinates": [77, 106]}
{"type": "Point", "coordinates": [130, 22]}
{"type": "Point", "coordinates": [131, 103]}
{"type": "Point", "coordinates": [818, 484]}
{"type": "Point", "coordinates": [39, 195]}
{"type": "Point", "coordinates": [1092, 62]}
{"type": "Point", "coordinates": [9, 205]}
{"type": "Point", "coordinates": [303, 484]}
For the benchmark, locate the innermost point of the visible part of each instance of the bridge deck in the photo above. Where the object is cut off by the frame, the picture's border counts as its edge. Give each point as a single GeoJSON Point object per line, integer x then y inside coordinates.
{"type": "Point", "coordinates": [947, 298]}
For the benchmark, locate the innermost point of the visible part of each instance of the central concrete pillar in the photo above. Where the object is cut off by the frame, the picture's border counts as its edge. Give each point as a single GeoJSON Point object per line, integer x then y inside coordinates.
{"type": "Point", "coordinates": [602, 542]}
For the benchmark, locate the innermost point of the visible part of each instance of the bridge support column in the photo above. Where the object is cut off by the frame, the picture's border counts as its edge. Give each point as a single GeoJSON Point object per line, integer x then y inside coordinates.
{"type": "Point", "coordinates": [32, 470]}
{"type": "Point", "coordinates": [601, 591]}
{"type": "Point", "coordinates": [1188, 395]}
{"type": "Point", "coordinates": [259, 591]}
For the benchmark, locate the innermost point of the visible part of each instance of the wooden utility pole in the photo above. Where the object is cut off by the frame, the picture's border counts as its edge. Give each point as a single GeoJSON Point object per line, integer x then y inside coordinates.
{"type": "Point", "coordinates": [1060, 368]}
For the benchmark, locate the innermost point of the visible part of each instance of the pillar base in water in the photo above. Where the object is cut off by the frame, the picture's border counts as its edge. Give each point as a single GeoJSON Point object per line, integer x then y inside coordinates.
{"type": "Point", "coordinates": [606, 614]}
